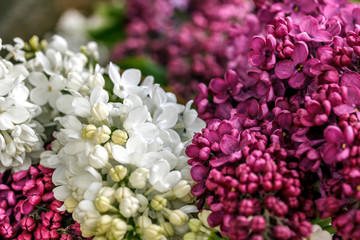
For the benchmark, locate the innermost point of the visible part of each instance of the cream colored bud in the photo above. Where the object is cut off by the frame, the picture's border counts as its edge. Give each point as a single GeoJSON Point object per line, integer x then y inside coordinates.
{"type": "Point", "coordinates": [85, 232]}
{"type": "Point", "coordinates": [143, 222]}
{"type": "Point", "coordinates": [168, 229]}
{"type": "Point", "coordinates": [104, 224]}
{"type": "Point", "coordinates": [190, 236]}
{"type": "Point", "coordinates": [56, 145]}
{"type": "Point", "coordinates": [100, 111]}
{"type": "Point", "coordinates": [188, 198]}
{"type": "Point", "coordinates": [102, 204]}
{"type": "Point", "coordinates": [153, 232]}
{"type": "Point", "coordinates": [70, 204]}
{"type": "Point", "coordinates": [143, 202]}
{"type": "Point", "coordinates": [195, 225]}
{"type": "Point", "coordinates": [203, 216]}
{"type": "Point", "coordinates": [99, 157]}
{"type": "Point", "coordinates": [138, 178]}
{"type": "Point", "coordinates": [178, 217]}
{"type": "Point", "coordinates": [74, 81]}
{"type": "Point", "coordinates": [181, 189]}
{"type": "Point", "coordinates": [122, 192]}
{"type": "Point", "coordinates": [91, 219]}
{"type": "Point", "coordinates": [129, 206]}
{"type": "Point", "coordinates": [118, 229]}
{"type": "Point", "coordinates": [99, 238]}
{"type": "Point", "coordinates": [102, 134]}
{"type": "Point", "coordinates": [96, 80]}
{"type": "Point", "coordinates": [107, 192]}
{"type": "Point", "coordinates": [118, 173]}
{"type": "Point", "coordinates": [119, 137]}
{"type": "Point", "coordinates": [88, 131]}
{"type": "Point", "coordinates": [158, 203]}
{"type": "Point", "coordinates": [34, 43]}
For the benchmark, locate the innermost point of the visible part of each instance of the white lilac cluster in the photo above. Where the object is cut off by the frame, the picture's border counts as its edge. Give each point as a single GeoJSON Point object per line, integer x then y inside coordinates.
{"type": "Point", "coordinates": [33, 76]}
{"type": "Point", "coordinates": [119, 159]}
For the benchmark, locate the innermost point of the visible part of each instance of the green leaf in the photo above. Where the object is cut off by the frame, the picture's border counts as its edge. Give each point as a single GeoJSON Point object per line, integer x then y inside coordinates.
{"type": "Point", "coordinates": [147, 67]}
{"type": "Point", "coordinates": [214, 236]}
{"type": "Point", "coordinates": [322, 222]}
{"type": "Point", "coordinates": [330, 229]}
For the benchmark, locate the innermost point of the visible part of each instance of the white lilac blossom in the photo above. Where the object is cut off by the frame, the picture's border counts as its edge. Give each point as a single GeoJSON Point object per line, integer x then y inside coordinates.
{"type": "Point", "coordinates": [117, 153]}
{"type": "Point", "coordinates": [38, 81]}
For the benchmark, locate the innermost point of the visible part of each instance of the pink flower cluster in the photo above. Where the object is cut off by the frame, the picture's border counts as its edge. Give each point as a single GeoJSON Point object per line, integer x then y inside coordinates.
{"type": "Point", "coordinates": [28, 209]}
{"type": "Point", "coordinates": [282, 143]}
{"type": "Point", "coordinates": [195, 40]}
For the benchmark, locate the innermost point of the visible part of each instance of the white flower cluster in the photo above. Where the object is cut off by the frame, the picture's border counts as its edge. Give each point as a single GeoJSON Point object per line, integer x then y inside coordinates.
{"type": "Point", "coordinates": [32, 78]}
{"type": "Point", "coordinates": [119, 156]}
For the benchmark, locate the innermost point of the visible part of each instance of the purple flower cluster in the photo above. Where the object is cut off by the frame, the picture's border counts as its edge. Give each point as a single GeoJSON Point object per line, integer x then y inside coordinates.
{"type": "Point", "coordinates": [195, 40]}
{"type": "Point", "coordinates": [28, 209]}
{"type": "Point", "coordinates": [282, 142]}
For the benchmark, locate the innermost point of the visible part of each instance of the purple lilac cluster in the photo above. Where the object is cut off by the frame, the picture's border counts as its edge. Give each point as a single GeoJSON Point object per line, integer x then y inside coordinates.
{"type": "Point", "coordinates": [28, 209]}
{"type": "Point", "coordinates": [282, 143]}
{"type": "Point", "coordinates": [195, 40]}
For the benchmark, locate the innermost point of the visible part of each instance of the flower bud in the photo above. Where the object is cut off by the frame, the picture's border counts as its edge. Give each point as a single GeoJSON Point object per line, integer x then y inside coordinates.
{"type": "Point", "coordinates": [28, 224]}
{"type": "Point", "coordinates": [188, 198]}
{"type": "Point", "coordinates": [118, 229]}
{"type": "Point", "coordinates": [143, 202]}
{"type": "Point", "coordinates": [96, 80]}
{"type": "Point", "coordinates": [119, 137]}
{"type": "Point", "coordinates": [168, 229]}
{"type": "Point", "coordinates": [153, 232]}
{"type": "Point", "coordinates": [102, 204]}
{"type": "Point", "coordinates": [70, 204]}
{"type": "Point", "coordinates": [74, 81]}
{"type": "Point", "coordinates": [91, 219]}
{"type": "Point", "coordinates": [158, 203]}
{"type": "Point", "coordinates": [99, 157]}
{"type": "Point", "coordinates": [100, 111]}
{"type": "Point", "coordinates": [122, 192]}
{"type": "Point", "coordinates": [181, 189]}
{"type": "Point", "coordinates": [203, 216]}
{"type": "Point", "coordinates": [138, 178]}
{"type": "Point", "coordinates": [118, 173]}
{"type": "Point", "coordinates": [88, 131]}
{"type": "Point", "coordinates": [143, 222]}
{"type": "Point", "coordinates": [107, 192]}
{"type": "Point", "coordinates": [104, 224]}
{"type": "Point", "coordinates": [178, 218]}
{"type": "Point", "coordinates": [85, 232]}
{"type": "Point", "coordinates": [190, 236]}
{"type": "Point", "coordinates": [195, 225]}
{"type": "Point", "coordinates": [129, 206]}
{"type": "Point", "coordinates": [99, 238]}
{"type": "Point", "coordinates": [102, 134]}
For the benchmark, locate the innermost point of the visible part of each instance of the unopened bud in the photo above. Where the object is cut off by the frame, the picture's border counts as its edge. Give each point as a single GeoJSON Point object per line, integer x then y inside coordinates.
{"type": "Point", "coordinates": [119, 137]}
{"type": "Point", "coordinates": [88, 131]}
{"type": "Point", "coordinates": [129, 206]}
{"type": "Point", "coordinates": [107, 192]}
{"type": "Point", "coordinates": [104, 224]}
{"type": "Point", "coordinates": [158, 203]}
{"type": "Point", "coordinates": [118, 229]}
{"type": "Point", "coordinates": [168, 229]}
{"type": "Point", "coordinates": [181, 189]}
{"type": "Point", "coordinates": [118, 173]}
{"type": "Point", "coordinates": [122, 192]}
{"type": "Point", "coordinates": [99, 157]}
{"type": "Point", "coordinates": [153, 232]}
{"type": "Point", "coordinates": [178, 218]}
{"type": "Point", "coordinates": [100, 111]}
{"type": "Point", "coordinates": [96, 80]}
{"type": "Point", "coordinates": [70, 204]}
{"type": "Point", "coordinates": [138, 178]}
{"type": "Point", "coordinates": [102, 204]}
{"type": "Point", "coordinates": [195, 225]}
{"type": "Point", "coordinates": [143, 222]}
{"type": "Point", "coordinates": [91, 219]}
{"type": "Point", "coordinates": [102, 134]}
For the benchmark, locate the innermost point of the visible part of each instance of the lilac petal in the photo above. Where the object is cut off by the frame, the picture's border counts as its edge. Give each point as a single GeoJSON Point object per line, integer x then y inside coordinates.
{"type": "Point", "coordinates": [198, 189]}
{"type": "Point", "coordinates": [231, 78]}
{"type": "Point", "coordinates": [217, 162]}
{"type": "Point", "coordinates": [284, 119]}
{"type": "Point", "coordinates": [353, 97]}
{"type": "Point", "coordinates": [297, 80]}
{"type": "Point", "coordinates": [217, 85]}
{"type": "Point", "coordinates": [343, 109]}
{"type": "Point", "coordinates": [256, 59]}
{"type": "Point", "coordinates": [229, 144]}
{"type": "Point", "coordinates": [303, 36]}
{"type": "Point", "coordinates": [199, 173]}
{"type": "Point", "coordinates": [221, 98]}
{"type": "Point", "coordinates": [215, 218]}
{"type": "Point", "coordinates": [225, 128]}
{"type": "Point", "coordinates": [257, 43]}
{"type": "Point", "coordinates": [309, 25]}
{"type": "Point", "coordinates": [350, 78]}
{"type": "Point", "coordinates": [323, 36]}
{"type": "Point", "coordinates": [300, 53]}
{"type": "Point", "coordinates": [344, 154]}
{"type": "Point", "coordinates": [325, 54]}
{"type": "Point", "coordinates": [349, 135]}
{"type": "Point", "coordinates": [308, 65]}
{"type": "Point", "coordinates": [329, 154]}
{"type": "Point", "coordinates": [333, 134]}
{"type": "Point", "coordinates": [252, 108]}
{"type": "Point", "coordinates": [307, 6]}
{"type": "Point", "coordinates": [285, 69]}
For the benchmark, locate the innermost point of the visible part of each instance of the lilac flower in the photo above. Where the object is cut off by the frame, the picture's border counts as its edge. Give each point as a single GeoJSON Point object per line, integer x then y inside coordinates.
{"type": "Point", "coordinates": [225, 88]}
{"type": "Point", "coordinates": [309, 31]}
{"type": "Point", "coordinates": [262, 52]}
{"type": "Point", "coordinates": [295, 69]}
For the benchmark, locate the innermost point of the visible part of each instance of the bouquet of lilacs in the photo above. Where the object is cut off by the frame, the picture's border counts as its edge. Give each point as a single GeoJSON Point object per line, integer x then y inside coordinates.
{"type": "Point", "coordinates": [280, 150]}
{"type": "Point", "coordinates": [115, 148]}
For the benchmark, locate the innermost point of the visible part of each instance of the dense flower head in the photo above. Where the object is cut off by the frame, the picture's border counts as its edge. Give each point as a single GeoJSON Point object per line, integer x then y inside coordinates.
{"type": "Point", "coordinates": [119, 158]}
{"type": "Point", "coordinates": [289, 136]}
{"type": "Point", "coordinates": [28, 208]}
